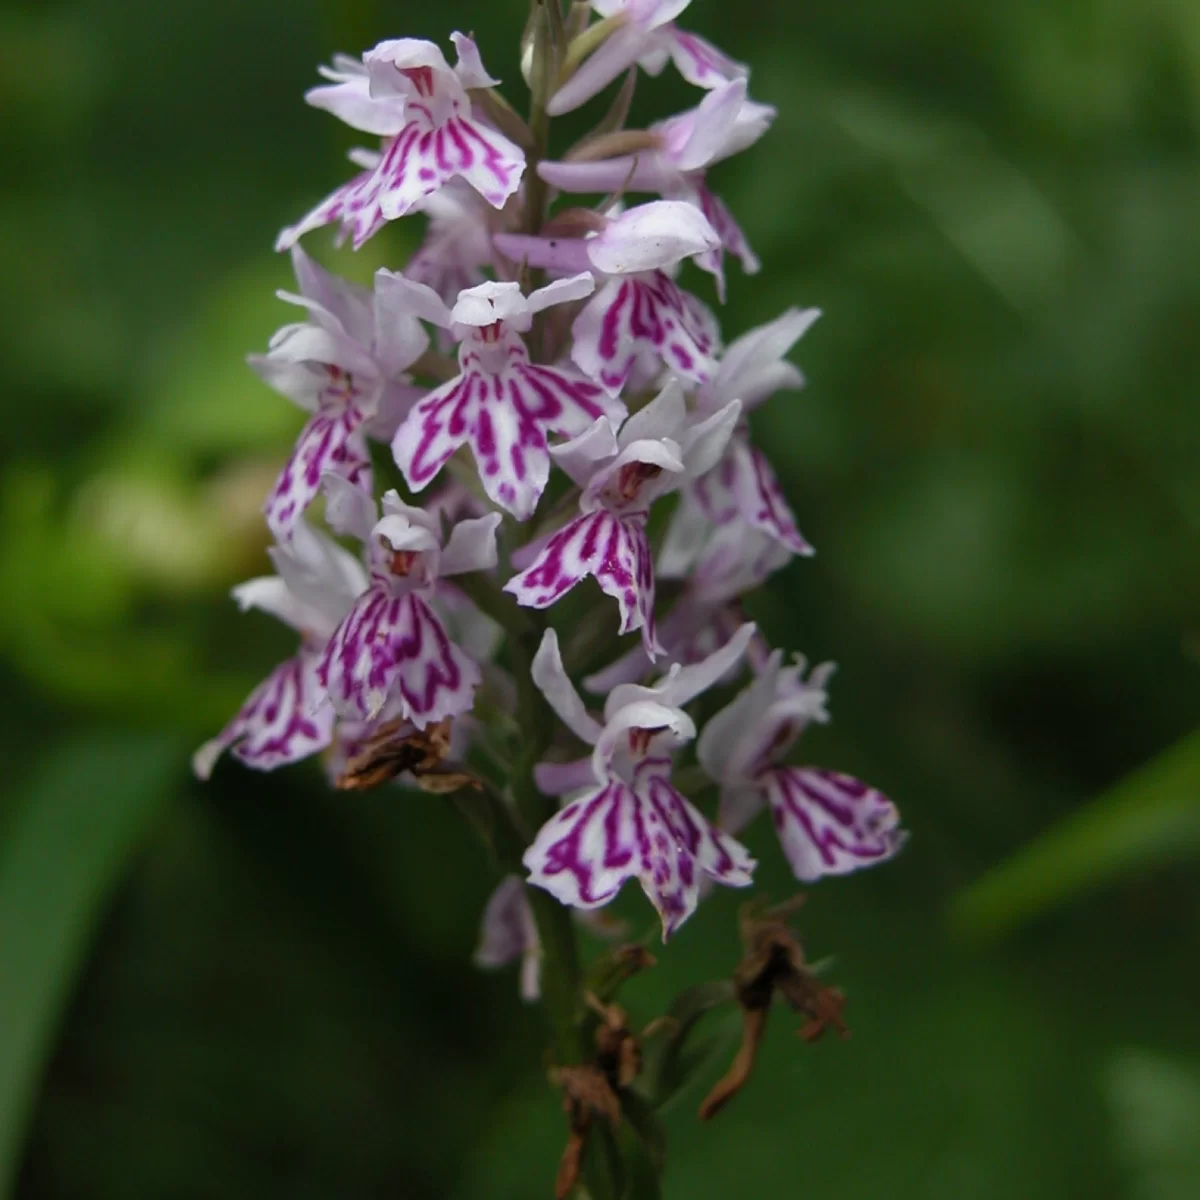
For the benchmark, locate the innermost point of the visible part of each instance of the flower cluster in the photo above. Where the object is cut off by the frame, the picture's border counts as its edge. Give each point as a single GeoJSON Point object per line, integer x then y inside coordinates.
{"type": "Point", "coordinates": [535, 386]}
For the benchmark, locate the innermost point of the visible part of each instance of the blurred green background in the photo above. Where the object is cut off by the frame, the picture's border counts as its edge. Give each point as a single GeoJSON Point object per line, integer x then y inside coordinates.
{"type": "Point", "coordinates": [261, 988]}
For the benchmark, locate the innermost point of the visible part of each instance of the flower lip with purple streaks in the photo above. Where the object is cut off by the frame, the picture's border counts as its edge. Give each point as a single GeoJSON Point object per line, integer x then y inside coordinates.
{"type": "Point", "coordinates": [828, 823]}
{"type": "Point", "coordinates": [405, 92]}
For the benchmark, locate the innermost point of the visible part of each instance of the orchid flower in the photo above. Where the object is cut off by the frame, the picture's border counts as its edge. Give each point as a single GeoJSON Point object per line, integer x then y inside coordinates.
{"type": "Point", "coordinates": [458, 241]}
{"type": "Point", "coordinates": [828, 823]}
{"type": "Point", "coordinates": [686, 146]}
{"type": "Point", "coordinates": [405, 92]}
{"type": "Point", "coordinates": [391, 645]}
{"type": "Point", "coordinates": [346, 366]}
{"type": "Point", "coordinates": [620, 476]}
{"type": "Point", "coordinates": [501, 404]}
{"type": "Point", "coordinates": [640, 318]}
{"type": "Point", "coordinates": [284, 719]}
{"type": "Point", "coordinates": [646, 35]}
{"type": "Point", "coordinates": [742, 490]}
{"type": "Point", "coordinates": [630, 821]}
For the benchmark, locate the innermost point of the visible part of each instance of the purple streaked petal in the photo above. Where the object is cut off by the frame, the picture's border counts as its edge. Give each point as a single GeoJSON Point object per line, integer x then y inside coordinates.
{"type": "Point", "coordinates": [743, 488]}
{"type": "Point", "coordinates": [584, 853]}
{"type": "Point", "coordinates": [283, 721]}
{"type": "Point", "coordinates": [732, 240]}
{"type": "Point", "coordinates": [331, 441]}
{"type": "Point", "coordinates": [354, 206]}
{"type": "Point", "coordinates": [423, 158]}
{"type": "Point", "coordinates": [614, 551]}
{"type": "Point", "coordinates": [640, 321]}
{"type": "Point", "coordinates": [716, 853]}
{"type": "Point", "coordinates": [395, 645]}
{"type": "Point", "coordinates": [830, 824]}
{"type": "Point", "coordinates": [699, 61]}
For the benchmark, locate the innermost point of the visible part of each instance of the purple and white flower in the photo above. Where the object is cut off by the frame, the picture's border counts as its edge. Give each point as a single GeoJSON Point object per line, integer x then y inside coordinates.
{"type": "Point", "coordinates": [285, 719]}
{"type": "Point", "coordinates": [723, 124]}
{"type": "Point", "coordinates": [645, 34]}
{"type": "Point", "coordinates": [640, 320]}
{"type": "Point", "coordinates": [346, 366]}
{"type": "Point", "coordinates": [620, 476]}
{"type": "Point", "coordinates": [630, 822]}
{"type": "Point", "coordinates": [827, 823]}
{"type": "Point", "coordinates": [404, 92]}
{"type": "Point", "coordinates": [742, 489]}
{"type": "Point", "coordinates": [392, 647]}
{"type": "Point", "coordinates": [508, 935]}
{"type": "Point", "coordinates": [501, 404]}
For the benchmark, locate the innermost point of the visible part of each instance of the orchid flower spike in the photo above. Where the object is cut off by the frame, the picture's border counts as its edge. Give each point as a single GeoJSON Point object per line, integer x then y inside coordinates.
{"type": "Point", "coordinates": [501, 404]}
{"type": "Point", "coordinates": [629, 821]}
{"type": "Point", "coordinates": [658, 450]}
{"type": "Point", "coordinates": [404, 92]}
{"type": "Point", "coordinates": [828, 823]}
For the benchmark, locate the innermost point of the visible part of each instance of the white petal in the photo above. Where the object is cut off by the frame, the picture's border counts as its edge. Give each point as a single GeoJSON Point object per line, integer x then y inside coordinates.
{"type": "Point", "coordinates": [705, 442]}
{"type": "Point", "coordinates": [551, 677]}
{"type": "Point", "coordinates": [471, 546]}
{"type": "Point", "coordinates": [562, 291]}
{"type": "Point", "coordinates": [652, 237]}
{"type": "Point", "coordinates": [686, 683]}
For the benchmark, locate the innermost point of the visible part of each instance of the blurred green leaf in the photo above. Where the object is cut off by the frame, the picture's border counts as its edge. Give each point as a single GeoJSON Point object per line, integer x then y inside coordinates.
{"type": "Point", "coordinates": [65, 847]}
{"type": "Point", "coordinates": [1156, 1111]}
{"type": "Point", "coordinates": [1150, 817]}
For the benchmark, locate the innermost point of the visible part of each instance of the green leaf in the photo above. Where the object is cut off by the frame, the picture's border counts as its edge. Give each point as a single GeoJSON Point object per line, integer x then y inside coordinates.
{"type": "Point", "coordinates": [1150, 817]}
{"type": "Point", "coordinates": [64, 848]}
{"type": "Point", "coordinates": [1156, 1113]}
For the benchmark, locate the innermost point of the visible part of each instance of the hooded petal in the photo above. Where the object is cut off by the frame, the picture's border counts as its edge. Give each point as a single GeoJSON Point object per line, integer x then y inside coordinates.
{"type": "Point", "coordinates": [652, 237]}
{"type": "Point", "coordinates": [830, 824]}
{"type": "Point", "coordinates": [282, 722]}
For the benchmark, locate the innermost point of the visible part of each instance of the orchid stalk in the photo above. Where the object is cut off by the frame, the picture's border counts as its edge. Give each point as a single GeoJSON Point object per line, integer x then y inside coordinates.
{"type": "Point", "coordinates": [434, 518]}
